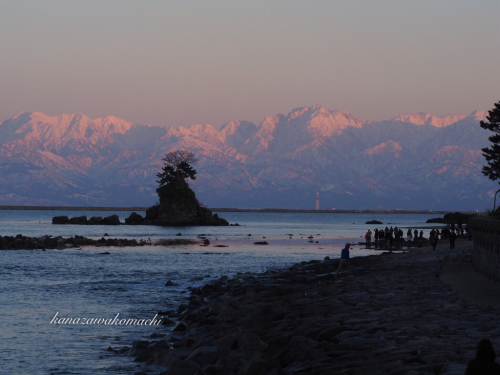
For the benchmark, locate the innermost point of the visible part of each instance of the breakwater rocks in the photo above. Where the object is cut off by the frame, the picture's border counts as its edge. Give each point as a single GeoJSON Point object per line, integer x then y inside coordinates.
{"type": "Point", "coordinates": [21, 242]}
{"type": "Point", "coordinates": [395, 316]}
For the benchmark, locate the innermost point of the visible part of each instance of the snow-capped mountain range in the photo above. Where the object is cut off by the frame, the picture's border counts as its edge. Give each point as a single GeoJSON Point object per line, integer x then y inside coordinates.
{"type": "Point", "coordinates": [413, 161]}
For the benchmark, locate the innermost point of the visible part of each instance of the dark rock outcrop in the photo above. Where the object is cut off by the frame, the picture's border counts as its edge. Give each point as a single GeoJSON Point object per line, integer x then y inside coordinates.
{"type": "Point", "coordinates": [80, 220]}
{"type": "Point", "coordinates": [60, 220]}
{"type": "Point", "coordinates": [134, 219]}
{"type": "Point", "coordinates": [95, 220]}
{"type": "Point", "coordinates": [374, 222]}
{"type": "Point", "coordinates": [179, 207]}
{"type": "Point", "coordinates": [111, 220]}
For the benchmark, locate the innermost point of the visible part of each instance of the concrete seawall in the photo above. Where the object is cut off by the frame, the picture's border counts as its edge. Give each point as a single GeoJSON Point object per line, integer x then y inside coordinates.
{"type": "Point", "coordinates": [486, 237]}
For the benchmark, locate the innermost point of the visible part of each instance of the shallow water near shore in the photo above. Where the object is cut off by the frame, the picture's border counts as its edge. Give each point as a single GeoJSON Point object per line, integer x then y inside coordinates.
{"type": "Point", "coordinates": [131, 281]}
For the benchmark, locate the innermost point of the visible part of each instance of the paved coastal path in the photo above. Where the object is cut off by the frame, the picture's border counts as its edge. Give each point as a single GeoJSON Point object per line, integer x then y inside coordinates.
{"type": "Point", "coordinates": [395, 316]}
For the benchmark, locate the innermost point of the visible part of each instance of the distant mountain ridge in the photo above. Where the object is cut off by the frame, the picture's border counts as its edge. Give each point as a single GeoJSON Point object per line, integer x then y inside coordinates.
{"type": "Point", "coordinates": [413, 161]}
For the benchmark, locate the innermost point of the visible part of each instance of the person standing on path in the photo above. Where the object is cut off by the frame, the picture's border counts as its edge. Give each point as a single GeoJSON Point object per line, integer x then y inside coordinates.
{"type": "Point", "coordinates": [344, 261]}
{"type": "Point", "coordinates": [434, 241]}
{"type": "Point", "coordinates": [390, 238]}
{"type": "Point", "coordinates": [368, 238]}
{"type": "Point", "coordinates": [453, 236]}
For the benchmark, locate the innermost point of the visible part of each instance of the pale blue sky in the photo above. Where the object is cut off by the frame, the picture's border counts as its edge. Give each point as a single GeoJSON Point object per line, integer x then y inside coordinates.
{"type": "Point", "coordinates": [188, 62]}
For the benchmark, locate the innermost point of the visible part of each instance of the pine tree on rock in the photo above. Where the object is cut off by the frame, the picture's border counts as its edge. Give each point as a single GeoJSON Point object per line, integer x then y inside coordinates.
{"type": "Point", "coordinates": [177, 164]}
{"type": "Point", "coordinates": [178, 205]}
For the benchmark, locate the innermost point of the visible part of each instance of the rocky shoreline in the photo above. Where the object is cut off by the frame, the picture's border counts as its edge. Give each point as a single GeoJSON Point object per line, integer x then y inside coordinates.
{"type": "Point", "coordinates": [21, 242]}
{"type": "Point", "coordinates": [395, 316]}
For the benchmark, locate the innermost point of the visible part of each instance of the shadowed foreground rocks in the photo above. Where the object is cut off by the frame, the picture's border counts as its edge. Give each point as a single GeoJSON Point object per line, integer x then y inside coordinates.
{"type": "Point", "coordinates": [396, 316]}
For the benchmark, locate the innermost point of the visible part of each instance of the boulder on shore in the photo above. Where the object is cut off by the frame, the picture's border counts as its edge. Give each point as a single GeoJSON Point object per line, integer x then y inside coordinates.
{"type": "Point", "coordinates": [179, 207]}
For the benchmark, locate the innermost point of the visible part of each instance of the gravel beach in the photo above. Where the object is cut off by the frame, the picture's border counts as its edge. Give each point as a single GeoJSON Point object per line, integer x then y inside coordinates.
{"type": "Point", "coordinates": [401, 314]}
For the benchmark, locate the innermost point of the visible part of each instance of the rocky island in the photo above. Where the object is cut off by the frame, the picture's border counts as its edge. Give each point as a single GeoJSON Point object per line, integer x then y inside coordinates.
{"type": "Point", "coordinates": [178, 205]}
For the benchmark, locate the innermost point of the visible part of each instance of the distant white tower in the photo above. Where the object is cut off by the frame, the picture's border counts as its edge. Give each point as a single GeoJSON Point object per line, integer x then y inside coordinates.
{"type": "Point", "coordinates": [317, 200]}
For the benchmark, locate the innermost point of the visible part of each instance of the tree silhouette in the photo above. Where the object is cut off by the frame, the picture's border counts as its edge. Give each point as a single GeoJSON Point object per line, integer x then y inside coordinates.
{"type": "Point", "coordinates": [177, 164]}
{"type": "Point", "coordinates": [492, 154]}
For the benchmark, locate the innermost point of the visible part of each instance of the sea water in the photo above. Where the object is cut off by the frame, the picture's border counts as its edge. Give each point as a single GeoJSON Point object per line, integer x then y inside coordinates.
{"type": "Point", "coordinates": [83, 283]}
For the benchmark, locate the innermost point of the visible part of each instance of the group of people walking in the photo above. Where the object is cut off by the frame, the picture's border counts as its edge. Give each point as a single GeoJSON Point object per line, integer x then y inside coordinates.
{"type": "Point", "coordinates": [388, 234]}
{"type": "Point", "coordinates": [382, 237]}
{"type": "Point", "coordinates": [434, 237]}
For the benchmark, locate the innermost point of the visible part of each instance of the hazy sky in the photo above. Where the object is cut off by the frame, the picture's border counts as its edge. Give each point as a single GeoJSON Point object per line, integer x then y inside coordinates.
{"type": "Point", "coordinates": [189, 62]}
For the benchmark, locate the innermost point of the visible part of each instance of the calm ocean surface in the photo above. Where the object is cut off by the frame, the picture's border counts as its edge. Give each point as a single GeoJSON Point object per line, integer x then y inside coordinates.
{"type": "Point", "coordinates": [82, 283]}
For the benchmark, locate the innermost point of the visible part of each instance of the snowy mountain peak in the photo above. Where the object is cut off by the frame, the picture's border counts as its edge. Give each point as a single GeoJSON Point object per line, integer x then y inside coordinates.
{"type": "Point", "coordinates": [422, 118]}
{"type": "Point", "coordinates": [320, 121]}
{"type": "Point", "coordinates": [31, 130]}
{"type": "Point", "coordinates": [480, 115]}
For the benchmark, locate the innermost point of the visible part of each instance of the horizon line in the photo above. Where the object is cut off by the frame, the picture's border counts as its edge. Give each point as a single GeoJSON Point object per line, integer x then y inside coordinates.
{"type": "Point", "coordinates": [227, 209]}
